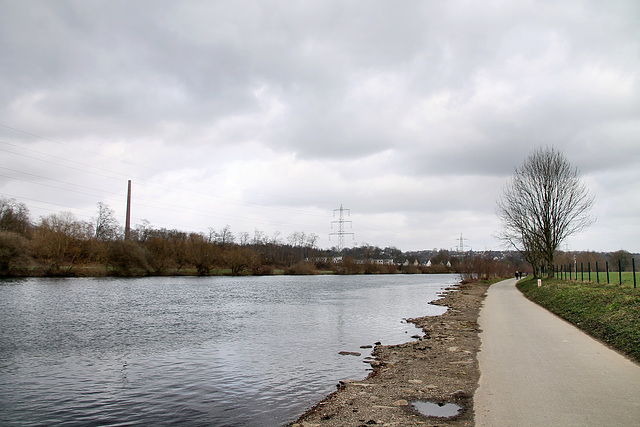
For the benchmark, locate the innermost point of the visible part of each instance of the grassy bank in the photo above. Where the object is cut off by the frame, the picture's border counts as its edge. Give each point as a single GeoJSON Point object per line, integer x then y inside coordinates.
{"type": "Point", "coordinates": [610, 313]}
{"type": "Point", "coordinates": [601, 277]}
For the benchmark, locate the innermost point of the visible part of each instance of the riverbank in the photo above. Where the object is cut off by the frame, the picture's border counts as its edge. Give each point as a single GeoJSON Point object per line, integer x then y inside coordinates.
{"type": "Point", "coordinates": [299, 269]}
{"type": "Point", "coordinates": [440, 366]}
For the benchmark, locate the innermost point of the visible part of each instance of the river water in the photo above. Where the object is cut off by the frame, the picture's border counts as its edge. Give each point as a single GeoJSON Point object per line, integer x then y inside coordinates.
{"type": "Point", "coordinates": [223, 351]}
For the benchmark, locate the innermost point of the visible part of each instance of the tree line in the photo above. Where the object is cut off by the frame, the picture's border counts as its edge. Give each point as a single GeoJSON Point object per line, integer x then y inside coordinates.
{"type": "Point", "coordinates": [62, 245]}
{"type": "Point", "coordinates": [620, 260]}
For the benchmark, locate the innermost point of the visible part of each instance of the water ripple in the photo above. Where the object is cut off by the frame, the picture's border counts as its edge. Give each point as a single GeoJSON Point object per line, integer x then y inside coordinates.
{"type": "Point", "coordinates": [193, 351]}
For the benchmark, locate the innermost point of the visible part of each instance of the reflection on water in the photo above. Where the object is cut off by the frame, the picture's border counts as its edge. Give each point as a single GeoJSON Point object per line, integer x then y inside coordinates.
{"type": "Point", "coordinates": [184, 351]}
{"type": "Point", "coordinates": [436, 409]}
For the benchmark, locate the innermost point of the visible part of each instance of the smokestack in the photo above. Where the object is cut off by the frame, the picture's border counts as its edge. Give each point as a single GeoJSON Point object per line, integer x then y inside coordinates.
{"type": "Point", "coordinates": [127, 226]}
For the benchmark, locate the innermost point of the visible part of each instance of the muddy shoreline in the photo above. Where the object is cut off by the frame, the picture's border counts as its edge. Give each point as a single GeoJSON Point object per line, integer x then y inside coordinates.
{"type": "Point", "coordinates": [441, 366]}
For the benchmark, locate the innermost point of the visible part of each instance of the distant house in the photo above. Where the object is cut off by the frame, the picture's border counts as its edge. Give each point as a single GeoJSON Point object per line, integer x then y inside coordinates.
{"type": "Point", "coordinates": [386, 261]}
{"type": "Point", "coordinates": [428, 263]}
{"type": "Point", "coordinates": [335, 259]}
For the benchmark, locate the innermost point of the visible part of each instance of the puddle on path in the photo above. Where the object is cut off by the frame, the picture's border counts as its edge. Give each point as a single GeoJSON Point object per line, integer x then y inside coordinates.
{"type": "Point", "coordinates": [438, 410]}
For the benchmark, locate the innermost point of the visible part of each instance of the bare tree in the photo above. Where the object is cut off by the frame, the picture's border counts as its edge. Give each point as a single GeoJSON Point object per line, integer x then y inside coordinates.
{"type": "Point", "coordinates": [544, 203]}
{"type": "Point", "coordinates": [238, 258]}
{"type": "Point", "coordinates": [205, 255]}
{"type": "Point", "coordinates": [158, 254]}
{"type": "Point", "coordinates": [14, 216]}
{"type": "Point", "coordinates": [226, 237]}
{"type": "Point", "coordinates": [275, 238]}
{"type": "Point", "coordinates": [297, 238]}
{"type": "Point", "coordinates": [106, 224]}
{"type": "Point", "coordinates": [258, 237]}
{"type": "Point", "coordinates": [14, 253]}
{"type": "Point", "coordinates": [312, 240]}
{"type": "Point", "coordinates": [142, 232]}
{"type": "Point", "coordinates": [244, 238]}
{"type": "Point", "coordinates": [125, 258]}
{"type": "Point", "coordinates": [60, 239]}
{"type": "Point", "coordinates": [179, 249]}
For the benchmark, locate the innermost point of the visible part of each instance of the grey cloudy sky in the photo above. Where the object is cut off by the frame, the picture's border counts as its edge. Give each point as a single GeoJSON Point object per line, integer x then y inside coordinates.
{"type": "Point", "coordinates": [270, 114]}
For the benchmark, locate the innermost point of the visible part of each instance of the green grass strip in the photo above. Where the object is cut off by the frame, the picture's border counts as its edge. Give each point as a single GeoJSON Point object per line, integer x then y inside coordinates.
{"type": "Point", "coordinates": [614, 277]}
{"type": "Point", "coordinates": [610, 313]}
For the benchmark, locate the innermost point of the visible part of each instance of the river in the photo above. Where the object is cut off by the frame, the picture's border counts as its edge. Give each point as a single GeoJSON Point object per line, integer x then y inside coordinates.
{"type": "Point", "coordinates": [223, 351]}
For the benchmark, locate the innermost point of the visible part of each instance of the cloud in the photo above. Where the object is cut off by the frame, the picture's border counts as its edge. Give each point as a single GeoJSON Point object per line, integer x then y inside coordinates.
{"type": "Point", "coordinates": [411, 114]}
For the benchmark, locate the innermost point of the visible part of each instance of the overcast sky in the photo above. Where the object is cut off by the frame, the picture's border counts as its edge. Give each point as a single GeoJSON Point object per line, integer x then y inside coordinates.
{"type": "Point", "coordinates": [269, 115]}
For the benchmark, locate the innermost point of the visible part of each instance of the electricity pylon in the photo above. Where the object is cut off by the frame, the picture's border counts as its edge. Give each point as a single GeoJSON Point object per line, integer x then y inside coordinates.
{"type": "Point", "coordinates": [341, 222]}
{"type": "Point", "coordinates": [461, 243]}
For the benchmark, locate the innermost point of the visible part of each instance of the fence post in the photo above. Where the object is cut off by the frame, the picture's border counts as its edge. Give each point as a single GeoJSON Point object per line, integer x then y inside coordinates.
{"type": "Point", "coordinates": [608, 282]}
{"type": "Point", "coordinates": [597, 273]}
{"type": "Point", "coordinates": [620, 270]}
{"type": "Point", "coordinates": [633, 263]}
{"type": "Point", "coordinates": [589, 267]}
{"type": "Point", "coordinates": [582, 272]}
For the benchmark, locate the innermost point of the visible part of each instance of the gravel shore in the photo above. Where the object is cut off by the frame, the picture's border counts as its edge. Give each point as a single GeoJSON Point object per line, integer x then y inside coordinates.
{"type": "Point", "coordinates": [440, 367]}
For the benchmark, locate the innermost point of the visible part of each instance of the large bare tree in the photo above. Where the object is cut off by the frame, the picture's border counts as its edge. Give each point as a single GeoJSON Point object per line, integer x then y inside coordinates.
{"type": "Point", "coordinates": [106, 224]}
{"type": "Point", "coordinates": [542, 204]}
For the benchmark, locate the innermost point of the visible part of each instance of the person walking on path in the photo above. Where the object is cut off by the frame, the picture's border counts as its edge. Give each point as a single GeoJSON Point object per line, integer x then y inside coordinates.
{"type": "Point", "coordinates": [538, 370]}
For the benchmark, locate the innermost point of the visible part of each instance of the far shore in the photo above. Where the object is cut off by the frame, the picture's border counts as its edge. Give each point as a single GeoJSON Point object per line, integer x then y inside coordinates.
{"type": "Point", "coordinates": [101, 271]}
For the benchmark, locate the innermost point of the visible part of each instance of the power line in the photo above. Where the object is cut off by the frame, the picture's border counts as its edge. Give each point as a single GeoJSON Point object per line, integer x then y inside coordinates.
{"type": "Point", "coordinates": [151, 183]}
{"type": "Point", "coordinates": [75, 147]}
{"type": "Point", "coordinates": [119, 160]}
{"type": "Point", "coordinates": [185, 206]}
{"type": "Point", "coordinates": [51, 179]}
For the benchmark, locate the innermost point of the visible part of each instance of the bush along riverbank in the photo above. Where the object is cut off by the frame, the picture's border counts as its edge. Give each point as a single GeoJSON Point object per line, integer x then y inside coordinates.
{"type": "Point", "coordinates": [610, 313]}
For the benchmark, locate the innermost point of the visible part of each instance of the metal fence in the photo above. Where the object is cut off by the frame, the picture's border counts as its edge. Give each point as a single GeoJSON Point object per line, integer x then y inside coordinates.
{"type": "Point", "coordinates": [570, 272]}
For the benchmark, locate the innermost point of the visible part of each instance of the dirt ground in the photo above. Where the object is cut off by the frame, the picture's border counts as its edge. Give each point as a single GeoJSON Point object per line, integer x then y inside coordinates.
{"type": "Point", "coordinates": [441, 367]}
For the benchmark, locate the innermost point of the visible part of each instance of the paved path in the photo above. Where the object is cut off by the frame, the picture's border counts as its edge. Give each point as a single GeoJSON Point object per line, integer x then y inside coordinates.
{"type": "Point", "coordinates": [538, 370]}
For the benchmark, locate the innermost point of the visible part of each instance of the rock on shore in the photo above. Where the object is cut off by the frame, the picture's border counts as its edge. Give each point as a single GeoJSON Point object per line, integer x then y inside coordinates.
{"type": "Point", "coordinates": [441, 367]}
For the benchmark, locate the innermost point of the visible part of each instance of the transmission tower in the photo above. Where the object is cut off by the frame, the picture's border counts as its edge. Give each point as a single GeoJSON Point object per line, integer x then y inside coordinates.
{"type": "Point", "coordinates": [461, 243]}
{"type": "Point", "coordinates": [341, 222]}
